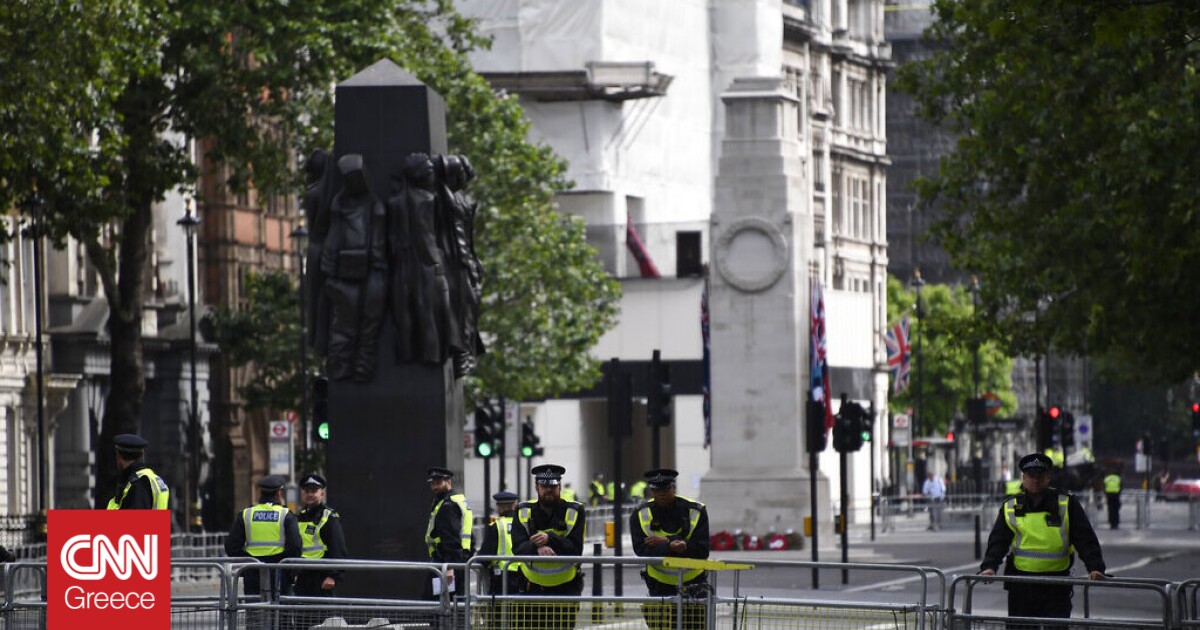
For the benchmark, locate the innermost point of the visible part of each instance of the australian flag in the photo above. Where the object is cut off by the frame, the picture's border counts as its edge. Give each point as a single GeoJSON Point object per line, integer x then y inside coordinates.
{"type": "Point", "coordinates": [899, 351]}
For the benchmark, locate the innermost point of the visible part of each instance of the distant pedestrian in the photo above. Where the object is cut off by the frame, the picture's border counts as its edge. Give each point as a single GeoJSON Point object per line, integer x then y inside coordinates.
{"type": "Point", "coordinates": [1036, 532]}
{"type": "Point", "coordinates": [596, 490]}
{"type": "Point", "coordinates": [451, 522]}
{"type": "Point", "coordinates": [935, 492]}
{"type": "Point", "coordinates": [139, 487]}
{"type": "Point", "coordinates": [668, 525]}
{"type": "Point", "coordinates": [1112, 494]}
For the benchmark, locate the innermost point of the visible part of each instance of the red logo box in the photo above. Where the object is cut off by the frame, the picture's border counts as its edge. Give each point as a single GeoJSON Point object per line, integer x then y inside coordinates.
{"type": "Point", "coordinates": [108, 569]}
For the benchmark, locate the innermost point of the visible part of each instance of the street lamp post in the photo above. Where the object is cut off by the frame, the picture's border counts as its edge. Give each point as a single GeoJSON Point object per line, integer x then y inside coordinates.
{"type": "Point", "coordinates": [300, 238]}
{"type": "Point", "coordinates": [33, 206]}
{"type": "Point", "coordinates": [919, 416]}
{"type": "Point", "coordinates": [977, 449]}
{"type": "Point", "coordinates": [189, 222]}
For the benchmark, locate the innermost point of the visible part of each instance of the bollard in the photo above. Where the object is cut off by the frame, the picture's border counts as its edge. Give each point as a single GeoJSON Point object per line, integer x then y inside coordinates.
{"type": "Point", "coordinates": [978, 540]}
{"type": "Point", "coordinates": [597, 584]}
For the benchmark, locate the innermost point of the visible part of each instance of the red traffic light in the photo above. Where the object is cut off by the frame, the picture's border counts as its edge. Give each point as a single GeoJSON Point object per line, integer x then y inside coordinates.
{"type": "Point", "coordinates": [950, 437]}
{"type": "Point", "coordinates": [1054, 411]}
{"type": "Point", "coordinates": [1196, 407]}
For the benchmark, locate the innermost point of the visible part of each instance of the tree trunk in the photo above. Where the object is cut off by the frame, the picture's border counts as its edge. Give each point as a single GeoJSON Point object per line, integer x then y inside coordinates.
{"type": "Point", "coordinates": [123, 412]}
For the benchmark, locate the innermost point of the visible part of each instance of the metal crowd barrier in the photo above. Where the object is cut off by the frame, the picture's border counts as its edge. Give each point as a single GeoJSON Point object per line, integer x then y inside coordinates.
{"type": "Point", "coordinates": [966, 616]}
{"type": "Point", "coordinates": [1187, 603]}
{"type": "Point", "coordinates": [751, 594]}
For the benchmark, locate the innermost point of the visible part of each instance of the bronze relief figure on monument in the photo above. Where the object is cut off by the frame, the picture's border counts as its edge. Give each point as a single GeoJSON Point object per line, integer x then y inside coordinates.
{"type": "Point", "coordinates": [413, 257]}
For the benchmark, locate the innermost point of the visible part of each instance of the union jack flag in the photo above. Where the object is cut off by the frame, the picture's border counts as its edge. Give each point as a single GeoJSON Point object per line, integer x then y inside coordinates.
{"type": "Point", "coordinates": [707, 385]}
{"type": "Point", "coordinates": [818, 367]}
{"type": "Point", "coordinates": [899, 350]}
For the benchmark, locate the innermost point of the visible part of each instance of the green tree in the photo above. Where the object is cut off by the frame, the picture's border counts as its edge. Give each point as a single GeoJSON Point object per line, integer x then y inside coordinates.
{"type": "Point", "coordinates": [949, 333]}
{"type": "Point", "coordinates": [1071, 189]}
{"type": "Point", "coordinates": [264, 333]}
{"type": "Point", "coordinates": [99, 97]}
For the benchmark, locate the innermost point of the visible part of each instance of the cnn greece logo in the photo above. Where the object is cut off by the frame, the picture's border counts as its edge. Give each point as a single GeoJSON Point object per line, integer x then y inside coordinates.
{"type": "Point", "coordinates": [109, 569]}
{"type": "Point", "coordinates": [122, 557]}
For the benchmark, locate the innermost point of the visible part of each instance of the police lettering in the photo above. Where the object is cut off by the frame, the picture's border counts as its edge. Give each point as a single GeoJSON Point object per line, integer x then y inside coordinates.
{"type": "Point", "coordinates": [271, 516]}
{"type": "Point", "coordinates": [79, 599]}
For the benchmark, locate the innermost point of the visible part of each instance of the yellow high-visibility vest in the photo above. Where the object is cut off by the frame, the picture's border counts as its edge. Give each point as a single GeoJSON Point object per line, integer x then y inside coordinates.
{"type": "Point", "coordinates": [158, 488]}
{"type": "Point", "coordinates": [310, 536]}
{"type": "Point", "coordinates": [549, 573]}
{"type": "Point", "coordinates": [468, 521]}
{"type": "Point", "coordinates": [1112, 483]}
{"type": "Point", "coordinates": [658, 571]}
{"type": "Point", "coordinates": [1037, 546]}
{"type": "Point", "coordinates": [265, 535]}
{"type": "Point", "coordinates": [504, 546]}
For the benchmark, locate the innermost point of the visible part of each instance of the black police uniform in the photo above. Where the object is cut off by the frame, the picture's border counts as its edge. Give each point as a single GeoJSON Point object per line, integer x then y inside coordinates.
{"type": "Point", "coordinates": [447, 528]}
{"type": "Point", "coordinates": [235, 542]}
{"type": "Point", "coordinates": [140, 495]}
{"type": "Point", "coordinates": [675, 522]}
{"type": "Point", "coordinates": [308, 582]}
{"type": "Point", "coordinates": [491, 547]}
{"type": "Point", "coordinates": [551, 616]}
{"type": "Point", "coordinates": [1039, 600]}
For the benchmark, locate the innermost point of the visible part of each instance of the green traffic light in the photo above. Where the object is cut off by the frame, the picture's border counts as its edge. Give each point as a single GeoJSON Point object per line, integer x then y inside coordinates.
{"type": "Point", "coordinates": [526, 451]}
{"type": "Point", "coordinates": [866, 436]}
{"type": "Point", "coordinates": [484, 449]}
{"type": "Point", "coordinates": [323, 430]}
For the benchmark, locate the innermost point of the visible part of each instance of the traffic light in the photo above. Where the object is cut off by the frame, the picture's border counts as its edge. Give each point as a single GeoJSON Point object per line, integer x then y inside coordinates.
{"type": "Point", "coordinates": [1047, 428]}
{"type": "Point", "coordinates": [1068, 429]}
{"type": "Point", "coordinates": [848, 427]}
{"type": "Point", "coordinates": [530, 441]}
{"type": "Point", "coordinates": [487, 432]}
{"type": "Point", "coordinates": [320, 409]}
{"type": "Point", "coordinates": [867, 423]}
{"type": "Point", "coordinates": [1196, 420]}
{"type": "Point", "coordinates": [814, 423]}
{"type": "Point", "coordinates": [658, 399]}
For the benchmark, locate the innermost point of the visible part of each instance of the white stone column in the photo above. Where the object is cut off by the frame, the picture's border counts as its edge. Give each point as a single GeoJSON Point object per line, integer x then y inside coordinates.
{"type": "Point", "coordinates": [761, 246]}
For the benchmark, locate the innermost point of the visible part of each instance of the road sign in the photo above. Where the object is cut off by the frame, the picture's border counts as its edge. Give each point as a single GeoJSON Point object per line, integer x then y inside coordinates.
{"type": "Point", "coordinates": [900, 421]}
{"type": "Point", "coordinates": [992, 402]}
{"type": "Point", "coordinates": [291, 416]}
{"type": "Point", "coordinates": [279, 448]}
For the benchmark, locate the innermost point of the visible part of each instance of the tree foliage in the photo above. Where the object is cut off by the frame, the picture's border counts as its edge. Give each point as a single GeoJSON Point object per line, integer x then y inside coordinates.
{"type": "Point", "coordinates": [949, 333]}
{"type": "Point", "coordinates": [99, 97]}
{"type": "Point", "coordinates": [1071, 189]}
{"type": "Point", "coordinates": [264, 334]}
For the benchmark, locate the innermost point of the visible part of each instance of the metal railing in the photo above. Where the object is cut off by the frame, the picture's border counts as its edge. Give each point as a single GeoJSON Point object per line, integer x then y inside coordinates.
{"type": "Point", "coordinates": [760, 594]}
{"type": "Point", "coordinates": [966, 616]}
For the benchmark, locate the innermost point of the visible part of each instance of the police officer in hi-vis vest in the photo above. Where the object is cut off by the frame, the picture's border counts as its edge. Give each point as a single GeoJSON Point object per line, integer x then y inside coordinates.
{"type": "Point", "coordinates": [668, 525]}
{"type": "Point", "coordinates": [266, 531]}
{"type": "Point", "coordinates": [506, 576]}
{"type": "Point", "coordinates": [138, 487]}
{"type": "Point", "coordinates": [448, 535]}
{"type": "Point", "coordinates": [1039, 531]}
{"type": "Point", "coordinates": [321, 536]}
{"type": "Point", "coordinates": [1112, 494]}
{"type": "Point", "coordinates": [549, 527]}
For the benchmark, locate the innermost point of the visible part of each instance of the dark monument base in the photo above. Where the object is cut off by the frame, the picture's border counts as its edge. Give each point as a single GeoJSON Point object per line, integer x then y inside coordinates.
{"type": "Point", "coordinates": [384, 435]}
{"type": "Point", "coordinates": [386, 432]}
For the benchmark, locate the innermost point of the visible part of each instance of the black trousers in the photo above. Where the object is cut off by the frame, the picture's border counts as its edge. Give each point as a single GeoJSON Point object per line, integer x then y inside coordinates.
{"type": "Point", "coordinates": [663, 615]}
{"type": "Point", "coordinates": [1114, 509]}
{"type": "Point", "coordinates": [1038, 600]}
{"type": "Point", "coordinates": [550, 615]}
